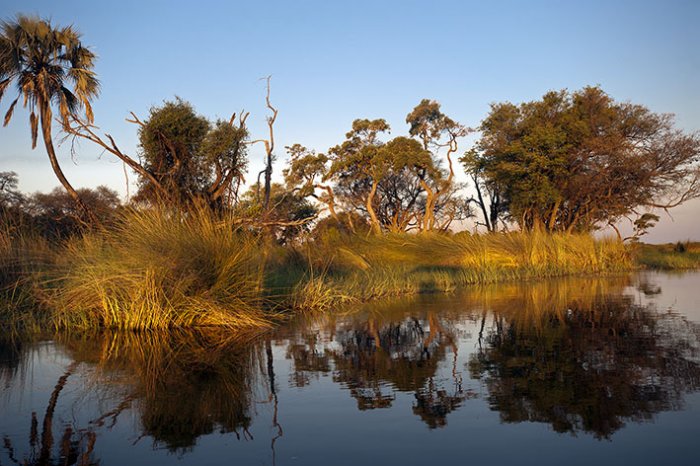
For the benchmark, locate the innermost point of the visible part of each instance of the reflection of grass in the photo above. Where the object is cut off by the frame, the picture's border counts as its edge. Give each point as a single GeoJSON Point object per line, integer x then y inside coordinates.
{"type": "Point", "coordinates": [184, 384]}
{"type": "Point", "coordinates": [681, 255]}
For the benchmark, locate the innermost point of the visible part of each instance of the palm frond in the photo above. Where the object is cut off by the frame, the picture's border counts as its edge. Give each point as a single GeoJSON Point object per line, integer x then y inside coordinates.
{"type": "Point", "coordinates": [34, 124]}
{"type": "Point", "coordinates": [3, 86]}
{"type": "Point", "coordinates": [8, 115]}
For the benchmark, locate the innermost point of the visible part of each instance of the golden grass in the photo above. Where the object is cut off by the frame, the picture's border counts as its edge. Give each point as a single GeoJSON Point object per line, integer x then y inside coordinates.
{"type": "Point", "coordinates": [366, 268]}
{"type": "Point", "coordinates": [161, 269]}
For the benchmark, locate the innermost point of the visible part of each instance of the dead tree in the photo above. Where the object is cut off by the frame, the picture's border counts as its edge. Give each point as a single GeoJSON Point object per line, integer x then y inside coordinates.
{"type": "Point", "coordinates": [269, 148]}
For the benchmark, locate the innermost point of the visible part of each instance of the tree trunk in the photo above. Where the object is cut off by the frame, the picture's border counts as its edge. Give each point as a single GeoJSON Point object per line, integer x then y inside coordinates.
{"type": "Point", "coordinates": [370, 197]}
{"type": "Point", "coordinates": [268, 178]}
{"type": "Point", "coordinates": [46, 115]}
{"type": "Point", "coordinates": [482, 204]}
{"type": "Point", "coordinates": [428, 220]}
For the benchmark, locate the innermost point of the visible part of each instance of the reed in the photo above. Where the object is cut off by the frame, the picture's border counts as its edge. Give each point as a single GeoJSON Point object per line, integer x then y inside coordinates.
{"type": "Point", "coordinates": [24, 257]}
{"type": "Point", "coordinates": [162, 269]}
{"type": "Point", "coordinates": [367, 268]}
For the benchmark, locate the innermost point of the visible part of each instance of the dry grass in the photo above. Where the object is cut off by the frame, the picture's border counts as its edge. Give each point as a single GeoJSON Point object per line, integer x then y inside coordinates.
{"type": "Point", "coordinates": [366, 268]}
{"type": "Point", "coordinates": [158, 269]}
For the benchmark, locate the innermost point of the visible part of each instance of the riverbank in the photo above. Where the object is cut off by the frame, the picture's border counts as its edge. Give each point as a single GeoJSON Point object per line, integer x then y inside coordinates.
{"type": "Point", "coordinates": [670, 256]}
{"type": "Point", "coordinates": [156, 270]}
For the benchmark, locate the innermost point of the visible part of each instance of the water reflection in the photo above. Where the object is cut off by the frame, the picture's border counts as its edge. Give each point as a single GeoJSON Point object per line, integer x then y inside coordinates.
{"type": "Point", "coordinates": [385, 353]}
{"type": "Point", "coordinates": [183, 384]}
{"type": "Point", "coordinates": [76, 445]}
{"type": "Point", "coordinates": [586, 364]}
{"type": "Point", "coordinates": [581, 355]}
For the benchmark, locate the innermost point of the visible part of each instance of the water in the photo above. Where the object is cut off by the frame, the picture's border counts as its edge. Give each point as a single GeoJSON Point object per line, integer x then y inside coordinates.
{"type": "Point", "coordinates": [572, 371]}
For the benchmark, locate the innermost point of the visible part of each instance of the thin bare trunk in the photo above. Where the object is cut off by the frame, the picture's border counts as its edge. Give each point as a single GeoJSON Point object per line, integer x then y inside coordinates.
{"type": "Point", "coordinates": [482, 204]}
{"type": "Point", "coordinates": [46, 115]}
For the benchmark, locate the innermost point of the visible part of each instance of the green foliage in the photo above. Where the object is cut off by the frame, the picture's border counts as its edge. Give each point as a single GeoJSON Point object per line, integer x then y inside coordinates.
{"type": "Point", "coordinates": [188, 158]}
{"type": "Point", "coordinates": [572, 161]}
{"type": "Point", "coordinates": [170, 140]}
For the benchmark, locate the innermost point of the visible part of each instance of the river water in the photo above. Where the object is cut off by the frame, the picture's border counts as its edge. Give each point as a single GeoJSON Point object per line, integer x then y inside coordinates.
{"type": "Point", "coordinates": [568, 371]}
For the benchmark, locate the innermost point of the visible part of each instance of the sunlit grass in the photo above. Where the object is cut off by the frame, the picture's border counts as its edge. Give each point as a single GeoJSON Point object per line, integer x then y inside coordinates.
{"type": "Point", "coordinates": [161, 269]}
{"type": "Point", "coordinates": [366, 268]}
{"type": "Point", "coordinates": [681, 255]}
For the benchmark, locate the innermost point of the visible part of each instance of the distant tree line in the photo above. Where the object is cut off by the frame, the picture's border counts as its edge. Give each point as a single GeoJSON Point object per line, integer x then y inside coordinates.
{"type": "Point", "coordinates": [570, 161]}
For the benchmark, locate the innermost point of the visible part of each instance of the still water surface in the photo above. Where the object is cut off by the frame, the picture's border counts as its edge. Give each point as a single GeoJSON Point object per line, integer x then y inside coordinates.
{"type": "Point", "coordinates": [571, 371]}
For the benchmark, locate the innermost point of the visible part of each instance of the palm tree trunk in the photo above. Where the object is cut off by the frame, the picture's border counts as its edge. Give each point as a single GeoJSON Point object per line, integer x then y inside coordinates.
{"type": "Point", "coordinates": [46, 114]}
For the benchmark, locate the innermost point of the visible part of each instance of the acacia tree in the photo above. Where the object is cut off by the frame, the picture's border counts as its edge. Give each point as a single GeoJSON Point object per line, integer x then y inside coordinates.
{"type": "Point", "coordinates": [359, 166]}
{"type": "Point", "coordinates": [306, 175]}
{"type": "Point", "coordinates": [436, 131]}
{"type": "Point", "coordinates": [45, 62]}
{"type": "Point", "coordinates": [574, 161]}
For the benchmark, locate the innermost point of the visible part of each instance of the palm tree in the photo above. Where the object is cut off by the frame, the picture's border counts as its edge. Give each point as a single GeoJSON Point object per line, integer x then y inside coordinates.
{"type": "Point", "coordinates": [43, 61]}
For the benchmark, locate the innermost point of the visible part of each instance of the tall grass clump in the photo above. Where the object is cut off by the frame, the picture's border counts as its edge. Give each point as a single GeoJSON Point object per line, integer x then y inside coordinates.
{"type": "Point", "coordinates": [160, 268]}
{"type": "Point", "coordinates": [396, 264]}
{"type": "Point", "coordinates": [24, 257]}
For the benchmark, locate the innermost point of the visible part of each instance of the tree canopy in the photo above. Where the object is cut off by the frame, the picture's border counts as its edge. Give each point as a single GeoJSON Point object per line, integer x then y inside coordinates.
{"type": "Point", "coordinates": [575, 161]}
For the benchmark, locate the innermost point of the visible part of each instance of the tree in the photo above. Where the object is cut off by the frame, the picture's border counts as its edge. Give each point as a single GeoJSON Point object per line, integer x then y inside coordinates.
{"type": "Point", "coordinates": [488, 195]}
{"type": "Point", "coordinates": [435, 130]}
{"type": "Point", "coordinates": [306, 174]}
{"type": "Point", "coordinates": [287, 218]}
{"type": "Point", "coordinates": [170, 142]}
{"type": "Point", "coordinates": [575, 161]}
{"type": "Point", "coordinates": [44, 62]}
{"type": "Point", "coordinates": [183, 157]}
{"type": "Point", "coordinates": [359, 166]}
{"type": "Point", "coordinates": [398, 184]}
{"type": "Point", "coordinates": [54, 213]}
{"type": "Point", "coordinates": [269, 147]}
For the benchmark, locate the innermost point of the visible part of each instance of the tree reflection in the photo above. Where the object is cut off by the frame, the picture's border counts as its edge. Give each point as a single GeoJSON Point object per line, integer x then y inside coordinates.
{"type": "Point", "coordinates": [183, 384]}
{"type": "Point", "coordinates": [586, 364]}
{"type": "Point", "coordinates": [76, 445]}
{"type": "Point", "coordinates": [384, 354]}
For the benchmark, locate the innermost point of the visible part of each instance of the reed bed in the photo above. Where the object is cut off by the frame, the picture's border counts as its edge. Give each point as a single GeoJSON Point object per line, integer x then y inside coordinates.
{"type": "Point", "coordinates": [672, 256]}
{"type": "Point", "coordinates": [160, 269]}
{"type": "Point", "coordinates": [367, 268]}
{"type": "Point", "coordinates": [24, 256]}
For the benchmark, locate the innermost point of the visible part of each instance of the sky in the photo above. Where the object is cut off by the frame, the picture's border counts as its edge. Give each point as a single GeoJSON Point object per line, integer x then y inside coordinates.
{"type": "Point", "coordinates": [332, 62]}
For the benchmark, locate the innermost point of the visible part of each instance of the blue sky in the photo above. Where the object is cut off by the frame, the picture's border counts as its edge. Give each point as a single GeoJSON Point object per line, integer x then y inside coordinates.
{"type": "Point", "coordinates": [332, 62]}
